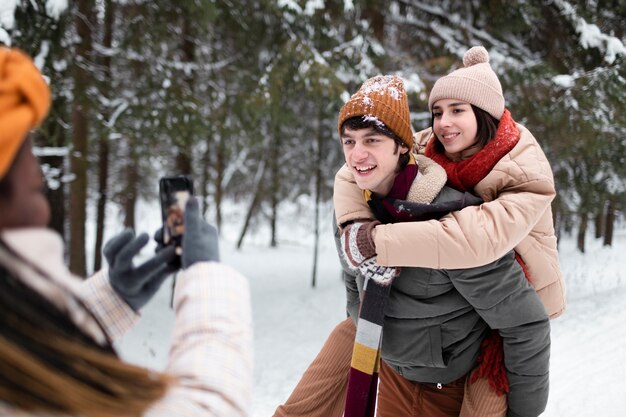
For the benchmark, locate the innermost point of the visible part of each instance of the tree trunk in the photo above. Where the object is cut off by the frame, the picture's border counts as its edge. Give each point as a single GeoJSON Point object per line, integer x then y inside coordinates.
{"type": "Point", "coordinates": [103, 145]}
{"type": "Point", "coordinates": [184, 160]}
{"type": "Point", "coordinates": [275, 176]}
{"type": "Point", "coordinates": [254, 203]}
{"type": "Point", "coordinates": [274, 215]}
{"type": "Point", "coordinates": [78, 193]}
{"type": "Point", "coordinates": [609, 222]}
{"type": "Point", "coordinates": [556, 220]}
{"type": "Point", "coordinates": [56, 193]}
{"type": "Point", "coordinates": [220, 168]}
{"type": "Point", "coordinates": [373, 12]}
{"type": "Point", "coordinates": [54, 163]}
{"type": "Point", "coordinates": [78, 160]}
{"type": "Point", "coordinates": [129, 199]}
{"type": "Point", "coordinates": [202, 190]}
{"type": "Point", "coordinates": [598, 222]}
{"type": "Point", "coordinates": [582, 231]}
{"type": "Point", "coordinates": [103, 197]}
{"type": "Point", "coordinates": [318, 197]}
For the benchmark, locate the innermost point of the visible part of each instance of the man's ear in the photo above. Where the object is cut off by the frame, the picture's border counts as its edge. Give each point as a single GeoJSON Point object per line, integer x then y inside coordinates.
{"type": "Point", "coordinates": [403, 149]}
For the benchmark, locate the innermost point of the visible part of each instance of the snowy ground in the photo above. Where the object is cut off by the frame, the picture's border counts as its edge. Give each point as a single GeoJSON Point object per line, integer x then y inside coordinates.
{"type": "Point", "coordinates": [292, 319]}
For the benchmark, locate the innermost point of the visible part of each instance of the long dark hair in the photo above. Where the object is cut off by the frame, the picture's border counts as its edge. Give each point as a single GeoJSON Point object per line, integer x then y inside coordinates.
{"type": "Point", "coordinates": [362, 122]}
{"type": "Point", "coordinates": [49, 365]}
{"type": "Point", "coordinates": [487, 126]}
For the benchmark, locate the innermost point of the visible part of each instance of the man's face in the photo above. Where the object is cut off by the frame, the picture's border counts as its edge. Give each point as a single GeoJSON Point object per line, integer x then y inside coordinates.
{"type": "Point", "coordinates": [26, 205]}
{"type": "Point", "coordinates": [372, 158]}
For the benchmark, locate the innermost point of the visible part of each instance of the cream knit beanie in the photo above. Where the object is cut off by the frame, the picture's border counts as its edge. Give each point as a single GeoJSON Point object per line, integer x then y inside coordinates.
{"type": "Point", "coordinates": [476, 83]}
{"type": "Point", "coordinates": [382, 98]}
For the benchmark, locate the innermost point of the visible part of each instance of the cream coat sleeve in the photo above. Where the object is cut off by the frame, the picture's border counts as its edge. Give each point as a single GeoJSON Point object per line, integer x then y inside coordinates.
{"type": "Point", "coordinates": [467, 238]}
{"type": "Point", "coordinates": [348, 199]}
{"type": "Point", "coordinates": [212, 345]}
{"type": "Point", "coordinates": [518, 192]}
{"type": "Point", "coordinates": [111, 311]}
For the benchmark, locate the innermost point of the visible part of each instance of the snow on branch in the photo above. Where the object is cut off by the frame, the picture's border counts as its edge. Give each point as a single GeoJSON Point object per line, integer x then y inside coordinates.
{"type": "Point", "coordinates": [54, 8]}
{"type": "Point", "coordinates": [592, 37]}
{"type": "Point", "coordinates": [590, 34]}
{"type": "Point", "coordinates": [454, 35]}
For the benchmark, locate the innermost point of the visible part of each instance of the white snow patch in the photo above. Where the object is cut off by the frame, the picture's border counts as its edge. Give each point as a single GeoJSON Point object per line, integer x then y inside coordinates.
{"type": "Point", "coordinates": [54, 8]}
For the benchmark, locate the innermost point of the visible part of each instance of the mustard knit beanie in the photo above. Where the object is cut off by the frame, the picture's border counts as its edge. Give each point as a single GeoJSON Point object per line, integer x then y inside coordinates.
{"type": "Point", "coordinates": [476, 83]}
{"type": "Point", "coordinates": [384, 99]}
{"type": "Point", "coordinates": [24, 102]}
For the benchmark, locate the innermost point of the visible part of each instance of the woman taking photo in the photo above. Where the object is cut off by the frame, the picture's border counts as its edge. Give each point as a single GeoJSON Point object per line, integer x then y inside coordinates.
{"type": "Point", "coordinates": [57, 331]}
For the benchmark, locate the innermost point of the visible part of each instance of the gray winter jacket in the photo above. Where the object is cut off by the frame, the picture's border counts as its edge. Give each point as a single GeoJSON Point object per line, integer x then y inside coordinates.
{"type": "Point", "coordinates": [435, 321]}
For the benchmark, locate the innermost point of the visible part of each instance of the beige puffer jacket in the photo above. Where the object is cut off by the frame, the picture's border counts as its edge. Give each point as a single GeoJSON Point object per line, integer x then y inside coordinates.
{"type": "Point", "coordinates": [516, 215]}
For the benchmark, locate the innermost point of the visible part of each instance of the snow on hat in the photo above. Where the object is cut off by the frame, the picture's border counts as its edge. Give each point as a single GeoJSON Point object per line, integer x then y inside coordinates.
{"type": "Point", "coordinates": [383, 98]}
{"type": "Point", "coordinates": [24, 102]}
{"type": "Point", "coordinates": [476, 83]}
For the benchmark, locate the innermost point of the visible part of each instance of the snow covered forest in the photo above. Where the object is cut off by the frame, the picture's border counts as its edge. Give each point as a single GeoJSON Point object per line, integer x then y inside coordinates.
{"type": "Point", "coordinates": [244, 94]}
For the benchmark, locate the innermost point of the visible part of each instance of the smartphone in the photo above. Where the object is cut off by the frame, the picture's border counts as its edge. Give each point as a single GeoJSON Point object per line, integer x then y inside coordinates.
{"type": "Point", "coordinates": [174, 193]}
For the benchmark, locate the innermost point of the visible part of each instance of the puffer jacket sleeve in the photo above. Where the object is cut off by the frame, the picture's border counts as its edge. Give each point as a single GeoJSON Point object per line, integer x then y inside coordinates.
{"type": "Point", "coordinates": [526, 358]}
{"type": "Point", "coordinates": [502, 296]}
{"type": "Point", "coordinates": [518, 191]}
{"type": "Point", "coordinates": [113, 313]}
{"type": "Point", "coordinates": [467, 238]}
{"type": "Point", "coordinates": [211, 351]}
{"type": "Point", "coordinates": [348, 198]}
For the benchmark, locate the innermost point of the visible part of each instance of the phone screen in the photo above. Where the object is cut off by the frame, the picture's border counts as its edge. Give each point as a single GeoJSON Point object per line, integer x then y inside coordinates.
{"type": "Point", "coordinates": [174, 193]}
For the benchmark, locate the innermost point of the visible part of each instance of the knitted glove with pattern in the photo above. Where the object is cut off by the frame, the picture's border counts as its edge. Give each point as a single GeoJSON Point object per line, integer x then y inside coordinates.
{"type": "Point", "coordinates": [357, 244]}
{"type": "Point", "coordinates": [381, 274]}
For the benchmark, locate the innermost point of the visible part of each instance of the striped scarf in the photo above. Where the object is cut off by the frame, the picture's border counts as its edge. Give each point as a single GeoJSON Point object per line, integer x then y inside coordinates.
{"type": "Point", "coordinates": [364, 368]}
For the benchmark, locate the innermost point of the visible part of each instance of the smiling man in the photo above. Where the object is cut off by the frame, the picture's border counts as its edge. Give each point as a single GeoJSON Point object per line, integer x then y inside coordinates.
{"type": "Point", "coordinates": [374, 149]}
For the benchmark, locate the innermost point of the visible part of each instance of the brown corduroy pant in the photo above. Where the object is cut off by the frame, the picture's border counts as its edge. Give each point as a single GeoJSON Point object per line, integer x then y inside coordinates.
{"type": "Point", "coordinates": [397, 396]}
{"type": "Point", "coordinates": [321, 392]}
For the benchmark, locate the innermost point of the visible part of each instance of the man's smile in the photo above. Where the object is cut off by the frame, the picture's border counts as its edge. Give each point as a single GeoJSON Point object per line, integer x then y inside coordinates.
{"type": "Point", "coordinates": [364, 169]}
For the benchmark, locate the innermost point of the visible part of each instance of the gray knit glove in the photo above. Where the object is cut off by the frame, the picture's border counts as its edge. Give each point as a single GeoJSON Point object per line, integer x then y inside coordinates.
{"type": "Point", "coordinates": [357, 244]}
{"type": "Point", "coordinates": [136, 284]}
{"type": "Point", "coordinates": [200, 242]}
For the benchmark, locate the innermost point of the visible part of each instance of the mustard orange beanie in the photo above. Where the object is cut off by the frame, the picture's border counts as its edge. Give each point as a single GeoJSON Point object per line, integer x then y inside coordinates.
{"type": "Point", "coordinates": [383, 98]}
{"type": "Point", "coordinates": [24, 102]}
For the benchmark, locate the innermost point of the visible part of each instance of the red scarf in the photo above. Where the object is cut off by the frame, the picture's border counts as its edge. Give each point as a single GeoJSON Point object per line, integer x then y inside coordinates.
{"type": "Point", "coordinates": [463, 176]}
